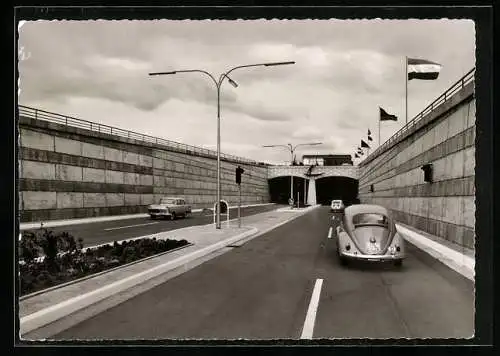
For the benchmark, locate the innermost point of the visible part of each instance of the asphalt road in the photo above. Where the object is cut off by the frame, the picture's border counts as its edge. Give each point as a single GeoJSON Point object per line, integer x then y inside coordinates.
{"type": "Point", "coordinates": [262, 290]}
{"type": "Point", "coordinates": [108, 231]}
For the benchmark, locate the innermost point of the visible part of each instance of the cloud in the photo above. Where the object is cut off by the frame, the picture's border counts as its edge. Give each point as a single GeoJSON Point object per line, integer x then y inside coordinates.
{"type": "Point", "coordinates": [344, 70]}
{"type": "Point", "coordinates": [307, 132]}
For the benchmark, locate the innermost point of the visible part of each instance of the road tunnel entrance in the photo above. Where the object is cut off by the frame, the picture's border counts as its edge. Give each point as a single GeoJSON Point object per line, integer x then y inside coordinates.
{"type": "Point", "coordinates": [279, 189]}
{"type": "Point", "coordinates": [329, 188]}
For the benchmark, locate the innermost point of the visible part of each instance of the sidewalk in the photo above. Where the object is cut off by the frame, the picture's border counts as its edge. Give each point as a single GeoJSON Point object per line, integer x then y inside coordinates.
{"type": "Point", "coordinates": [459, 259]}
{"type": "Point", "coordinates": [43, 308]}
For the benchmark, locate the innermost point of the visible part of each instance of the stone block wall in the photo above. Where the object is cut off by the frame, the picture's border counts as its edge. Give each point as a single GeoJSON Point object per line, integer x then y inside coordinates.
{"type": "Point", "coordinates": [67, 172]}
{"type": "Point", "coordinates": [446, 139]}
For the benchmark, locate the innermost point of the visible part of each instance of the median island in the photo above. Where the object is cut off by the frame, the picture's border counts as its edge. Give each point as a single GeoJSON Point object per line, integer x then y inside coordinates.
{"type": "Point", "coordinates": [48, 259]}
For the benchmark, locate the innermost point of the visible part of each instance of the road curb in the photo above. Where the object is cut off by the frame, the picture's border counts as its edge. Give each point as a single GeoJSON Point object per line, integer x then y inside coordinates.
{"type": "Point", "coordinates": [53, 313]}
{"type": "Point", "coordinates": [457, 261]}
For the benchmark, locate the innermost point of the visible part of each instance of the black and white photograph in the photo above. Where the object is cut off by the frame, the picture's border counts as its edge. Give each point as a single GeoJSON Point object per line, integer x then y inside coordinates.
{"type": "Point", "coordinates": [246, 179]}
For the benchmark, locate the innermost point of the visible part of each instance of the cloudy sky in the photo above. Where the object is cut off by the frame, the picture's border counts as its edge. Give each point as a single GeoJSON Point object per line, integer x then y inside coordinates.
{"type": "Point", "coordinates": [345, 70]}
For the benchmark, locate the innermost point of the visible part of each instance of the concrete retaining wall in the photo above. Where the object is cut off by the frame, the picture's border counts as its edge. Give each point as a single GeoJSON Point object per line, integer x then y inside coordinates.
{"type": "Point", "coordinates": [446, 139]}
{"type": "Point", "coordinates": [67, 172]}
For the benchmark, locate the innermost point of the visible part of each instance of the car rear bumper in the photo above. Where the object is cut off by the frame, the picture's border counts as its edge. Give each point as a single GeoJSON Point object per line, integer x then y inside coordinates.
{"type": "Point", "coordinates": [375, 258]}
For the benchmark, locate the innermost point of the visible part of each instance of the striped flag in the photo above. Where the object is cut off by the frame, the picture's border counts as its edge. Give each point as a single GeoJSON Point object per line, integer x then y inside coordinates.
{"type": "Point", "coordinates": [423, 69]}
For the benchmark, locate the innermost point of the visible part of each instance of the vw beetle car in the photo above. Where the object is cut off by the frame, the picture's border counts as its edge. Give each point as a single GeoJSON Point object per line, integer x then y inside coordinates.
{"type": "Point", "coordinates": [367, 232]}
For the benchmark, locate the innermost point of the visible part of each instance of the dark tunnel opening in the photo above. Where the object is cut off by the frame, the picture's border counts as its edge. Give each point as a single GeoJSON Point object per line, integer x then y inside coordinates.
{"type": "Point", "coordinates": [279, 189]}
{"type": "Point", "coordinates": [330, 188]}
{"type": "Point", "coordinates": [327, 189]}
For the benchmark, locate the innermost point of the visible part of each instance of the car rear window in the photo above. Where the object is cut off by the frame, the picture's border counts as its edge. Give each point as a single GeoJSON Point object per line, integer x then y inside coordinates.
{"type": "Point", "coordinates": [369, 219]}
{"type": "Point", "coordinates": [167, 201]}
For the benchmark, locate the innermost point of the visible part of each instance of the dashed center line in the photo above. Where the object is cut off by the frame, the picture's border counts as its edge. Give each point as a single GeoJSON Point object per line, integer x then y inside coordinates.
{"type": "Point", "coordinates": [124, 227]}
{"type": "Point", "coordinates": [307, 330]}
{"type": "Point", "coordinates": [330, 232]}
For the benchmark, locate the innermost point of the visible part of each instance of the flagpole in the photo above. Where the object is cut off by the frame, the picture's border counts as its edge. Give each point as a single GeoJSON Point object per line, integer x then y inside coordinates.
{"type": "Point", "coordinates": [406, 88]}
{"type": "Point", "coordinates": [379, 143]}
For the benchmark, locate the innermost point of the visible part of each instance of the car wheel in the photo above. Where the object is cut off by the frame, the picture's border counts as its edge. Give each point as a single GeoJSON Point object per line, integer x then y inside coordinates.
{"type": "Point", "coordinates": [398, 263]}
{"type": "Point", "coordinates": [343, 261]}
{"type": "Point", "coordinates": [153, 217]}
{"type": "Point", "coordinates": [172, 217]}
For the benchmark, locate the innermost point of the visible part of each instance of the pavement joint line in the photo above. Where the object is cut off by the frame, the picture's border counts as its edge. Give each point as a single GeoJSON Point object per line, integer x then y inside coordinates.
{"type": "Point", "coordinates": [50, 314]}
{"type": "Point", "coordinates": [459, 262]}
{"type": "Point", "coordinates": [308, 329]}
{"type": "Point", "coordinates": [330, 232]}
{"type": "Point", "coordinates": [125, 227]}
{"type": "Point", "coordinates": [67, 222]}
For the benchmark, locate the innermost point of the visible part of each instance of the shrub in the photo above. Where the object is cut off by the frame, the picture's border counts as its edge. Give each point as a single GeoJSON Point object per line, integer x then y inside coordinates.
{"type": "Point", "coordinates": [65, 261]}
{"type": "Point", "coordinates": [28, 247]}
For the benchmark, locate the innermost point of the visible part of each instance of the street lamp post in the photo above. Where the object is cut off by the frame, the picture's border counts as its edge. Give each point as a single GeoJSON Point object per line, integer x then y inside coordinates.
{"type": "Point", "coordinates": [218, 84]}
{"type": "Point", "coordinates": [292, 150]}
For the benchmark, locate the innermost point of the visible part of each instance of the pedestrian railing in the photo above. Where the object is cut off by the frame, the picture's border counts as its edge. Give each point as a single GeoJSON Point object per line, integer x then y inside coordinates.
{"type": "Point", "coordinates": [38, 114]}
{"type": "Point", "coordinates": [456, 87]}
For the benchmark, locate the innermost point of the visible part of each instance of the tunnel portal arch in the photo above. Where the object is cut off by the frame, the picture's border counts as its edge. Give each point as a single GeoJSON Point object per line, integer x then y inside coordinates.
{"type": "Point", "coordinates": [336, 187]}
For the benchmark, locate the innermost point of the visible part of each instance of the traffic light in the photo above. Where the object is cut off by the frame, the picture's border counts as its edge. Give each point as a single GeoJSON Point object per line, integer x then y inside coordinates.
{"type": "Point", "coordinates": [239, 172]}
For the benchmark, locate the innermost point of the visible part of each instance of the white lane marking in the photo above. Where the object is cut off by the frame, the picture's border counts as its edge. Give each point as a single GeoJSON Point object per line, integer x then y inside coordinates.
{"type": "Point", "coordinates": [330, 233]}
{"type": "Point", "coordinates": [124, 227]}
{"type": "Point", "coordinates": [307, 330]}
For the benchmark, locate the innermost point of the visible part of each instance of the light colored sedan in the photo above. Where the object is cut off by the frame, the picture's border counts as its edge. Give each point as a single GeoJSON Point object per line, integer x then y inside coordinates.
{"type": "Point", "coordinates": [337, 206]}
{"type": "Point", "coordinates": [368, 232]}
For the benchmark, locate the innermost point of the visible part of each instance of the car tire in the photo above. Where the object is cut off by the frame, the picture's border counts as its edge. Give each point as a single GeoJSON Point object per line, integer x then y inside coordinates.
{"type": "Point", "coordinates": [172, 216]}
{"type": "Point", "coordinates": [398, 263]}
{"type": "Point", "coordinates": [343, 261]}
{"type": "Point", "coordinates": [152, 217]}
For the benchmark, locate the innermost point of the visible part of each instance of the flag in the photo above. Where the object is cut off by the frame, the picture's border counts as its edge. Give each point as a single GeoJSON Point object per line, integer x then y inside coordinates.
{"type": "Point", "coordinates": [422, 69]}
{"type": "Point", "coordinates": [369, 137]}
{"type": "Point", "coordinates": [384, 116]}
{"type": "Point", "coordinates": [364, 144]}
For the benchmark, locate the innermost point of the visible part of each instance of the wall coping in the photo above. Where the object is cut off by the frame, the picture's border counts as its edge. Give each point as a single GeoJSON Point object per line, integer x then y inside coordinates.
{"type": "Point", "coordinates": [26, 121]}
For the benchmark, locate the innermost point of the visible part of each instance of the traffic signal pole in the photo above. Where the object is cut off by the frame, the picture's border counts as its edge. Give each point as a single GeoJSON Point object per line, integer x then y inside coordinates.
{"type": "Point", "coordinates": [239, 172]}
{"type": "Point", "coordinates": [239, 206]}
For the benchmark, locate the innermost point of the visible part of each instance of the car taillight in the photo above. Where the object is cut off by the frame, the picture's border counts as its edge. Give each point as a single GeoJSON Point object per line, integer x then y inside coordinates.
{"type": "Point", "coordinates": [347, 247]}
{"type": "Point", "coordinates": [398, 248]}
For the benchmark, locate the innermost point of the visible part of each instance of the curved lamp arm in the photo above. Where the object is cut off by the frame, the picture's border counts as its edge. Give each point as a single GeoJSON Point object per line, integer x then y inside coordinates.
{"type": "Point", "coordinates": [189, 71]}
{"type": "Point", "coordinates": [225, 75]}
